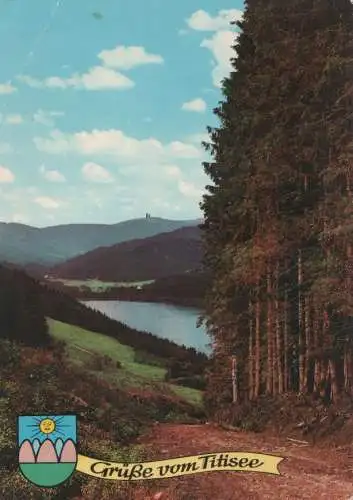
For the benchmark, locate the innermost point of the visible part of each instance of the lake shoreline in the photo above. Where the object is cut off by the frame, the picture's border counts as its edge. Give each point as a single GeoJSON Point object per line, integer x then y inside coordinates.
{"type": "Point", "coordinates": [174, 322]}
{"type": "Point", "coordinates": [187, 290]}
{"type": "Point", "coordinates": [170, 301]}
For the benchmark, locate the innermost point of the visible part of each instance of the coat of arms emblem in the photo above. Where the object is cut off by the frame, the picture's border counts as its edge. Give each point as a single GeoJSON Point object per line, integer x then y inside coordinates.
{"type": "Point", "coordinates": [47, 448]}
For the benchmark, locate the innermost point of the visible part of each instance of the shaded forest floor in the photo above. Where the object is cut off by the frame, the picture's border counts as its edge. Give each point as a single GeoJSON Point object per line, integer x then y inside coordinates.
{"type": "Point", "coordinates": [308, 471]}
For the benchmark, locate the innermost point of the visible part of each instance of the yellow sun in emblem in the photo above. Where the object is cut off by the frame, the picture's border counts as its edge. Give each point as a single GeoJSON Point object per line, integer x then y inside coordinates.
{"type": "Point", "coordinates": [47, 426]}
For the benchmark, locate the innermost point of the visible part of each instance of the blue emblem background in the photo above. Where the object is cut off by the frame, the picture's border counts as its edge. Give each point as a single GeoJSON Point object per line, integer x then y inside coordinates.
{"type": "Point", "coordinates": [28, 428]}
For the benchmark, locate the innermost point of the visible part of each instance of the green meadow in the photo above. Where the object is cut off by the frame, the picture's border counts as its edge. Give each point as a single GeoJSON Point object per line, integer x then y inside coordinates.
{"type": "Point", "coordinates": [86, 348]}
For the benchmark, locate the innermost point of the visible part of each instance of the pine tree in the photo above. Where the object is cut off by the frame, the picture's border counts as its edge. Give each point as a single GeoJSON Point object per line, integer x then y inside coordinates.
{"type": "Point", "coordinates": [277, 230]}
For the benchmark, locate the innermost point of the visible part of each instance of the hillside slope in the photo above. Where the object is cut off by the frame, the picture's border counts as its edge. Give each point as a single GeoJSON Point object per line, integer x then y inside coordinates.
{"type": "Point", "coordinates": [44, 381]}
{"type": "Point", "coordinates": [143, 259]}
{"type": "Point", "coordinates": [21, 244]}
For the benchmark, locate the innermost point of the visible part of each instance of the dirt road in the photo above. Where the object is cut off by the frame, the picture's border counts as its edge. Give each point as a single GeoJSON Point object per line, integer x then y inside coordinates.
{"type": "Point", "coordinates": [306, 473]}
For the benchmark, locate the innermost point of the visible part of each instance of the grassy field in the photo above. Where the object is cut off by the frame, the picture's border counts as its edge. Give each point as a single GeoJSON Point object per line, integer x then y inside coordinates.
{"type": "Point", "coordinates": [83, 346]}
{"type": "Point", "coordinates": [98, 286]}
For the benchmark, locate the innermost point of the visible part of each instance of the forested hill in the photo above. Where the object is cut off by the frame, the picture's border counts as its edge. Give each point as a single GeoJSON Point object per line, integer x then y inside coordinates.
{"type": "Point", "coordinates": [22, 244]}
{"type": "Point", "coordinates": [137, 260]}
{"type": "Point", "coordinates": [25, 304]}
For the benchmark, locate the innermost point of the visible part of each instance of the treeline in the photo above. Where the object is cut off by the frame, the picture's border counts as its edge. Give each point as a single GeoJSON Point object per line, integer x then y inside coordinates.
{"type": "Point", "coordinates": [186, 289]}
{"type": "Point", "coordinates": [278, 215]}
{"type": "Point", "coordinates": [25, 303]}
{"type": "Point", "coordinates": [21, 314]}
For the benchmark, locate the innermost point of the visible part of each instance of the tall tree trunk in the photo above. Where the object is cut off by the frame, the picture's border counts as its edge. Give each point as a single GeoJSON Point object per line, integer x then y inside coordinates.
{"type": "Point", "coordinates": [300, 326]}
{"type": "Point", "coordinates": [251, 359]}
{"type": "Point", "coordinates": [257, 343]}
{"type": "Point", "coordinates": [235, 379]}
{"type": "Point", "coordinates": [333, 380]}
{"type": "Point", "coordinates": [269, 378]}
{"type": "Point", "coordinates": [348, 354]}
{"type": "Point", "coordinates": [279, 349]}
{"type": "Point", "coordinates": [348, 351]}
{"type": "Point", "coordinates": [348, 367]}
{"type": "Point", "coordinates": [286, 343]}
{"type": "Point", "coordinates": [307, 340]}
{"type": "Point", "coordinates": [326, 344]}
{"type": "Point", "coordinates": [316, 345]}
{"type": "Point", "coordinates": [323, 377]}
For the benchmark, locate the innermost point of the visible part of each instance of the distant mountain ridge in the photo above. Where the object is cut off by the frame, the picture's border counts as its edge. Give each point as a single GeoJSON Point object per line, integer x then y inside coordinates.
{"type": "Point", "coordinates": [159, 256]}
{"type": "Point", "coordinates": [22, 244]}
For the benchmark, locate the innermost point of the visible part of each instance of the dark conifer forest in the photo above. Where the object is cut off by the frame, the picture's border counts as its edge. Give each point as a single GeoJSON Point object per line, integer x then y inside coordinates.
{"type": "Point", "coordinates": [278, 210]}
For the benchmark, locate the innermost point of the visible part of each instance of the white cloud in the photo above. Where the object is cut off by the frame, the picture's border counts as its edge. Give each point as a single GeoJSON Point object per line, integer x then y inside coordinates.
{"type": "Point", "coordinates": [6, 176]}
{"type": "Point", "coordinates": [46, 117]}
{"type": "Point", "coordinates": [47, 202]}
{"type": "Point", "coordinates": [178, 149]}
{"type": "Point", "coordinates": [173, 171]}
{"type": "Point", "coordinates": [7, 88]}
{"type": "Point", "coordinates": [97, 78]}
{"type": "Point", "coordinates": [30, 81]}
{"type": "Point", "coordinates": [189, 190]}
{"type": "Point", "coordinates": [172, 179]}
{"type": "Point", "coordinates": [14, 119]}
{"type": "Point", "coordinates": [126, 58]}
{"type": "Point", "coordinates": [101, 77]}
{"type": "Point", "coordinates": [197, 105]}
{"type": "Point", "coordinates": [93, 172]}
{"type": "Point", "coordinates": [52, 175]}
{"type": "Point", "coordinates": [117, 145]}
{"type": "Point", "coordinates": [203, 21]}
{"type": "Point", "coordinates": [57, 143]}
{"type": "Point", "coordinates": [220, 46]}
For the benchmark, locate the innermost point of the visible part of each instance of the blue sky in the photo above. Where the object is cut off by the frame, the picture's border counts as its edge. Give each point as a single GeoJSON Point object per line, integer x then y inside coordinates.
{"type": "Point", "coordinates": [102, 116]}
{"type": "Point", "coordinates": [29, 428]}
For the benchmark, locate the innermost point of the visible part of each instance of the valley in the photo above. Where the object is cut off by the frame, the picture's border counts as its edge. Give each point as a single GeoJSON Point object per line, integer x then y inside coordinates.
{"type": "Point", "coordinates": [187, 289]}
{"type": "Point", "coordinates": [144, 259]}
{"type": "Point", "coordinates": [165, 268]}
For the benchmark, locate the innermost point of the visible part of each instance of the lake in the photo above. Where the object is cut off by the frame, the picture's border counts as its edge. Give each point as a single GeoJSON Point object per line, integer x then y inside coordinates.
{"type": "Point", "coordinates": [174, 323]}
